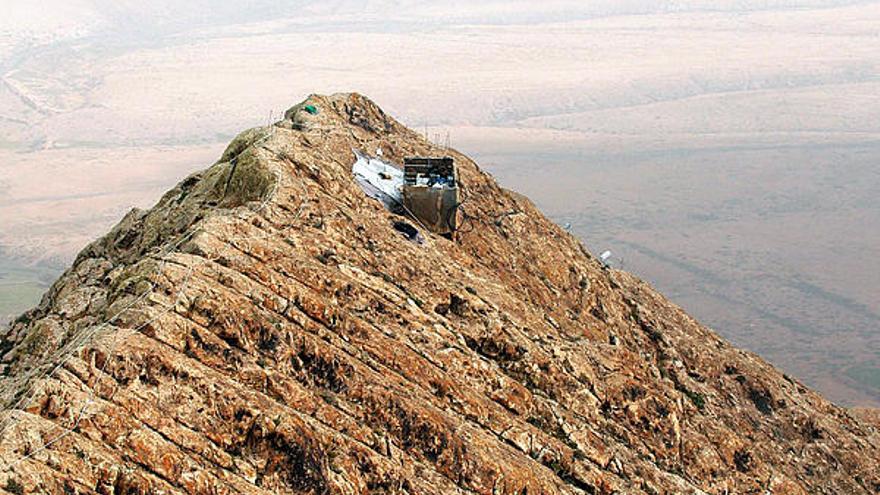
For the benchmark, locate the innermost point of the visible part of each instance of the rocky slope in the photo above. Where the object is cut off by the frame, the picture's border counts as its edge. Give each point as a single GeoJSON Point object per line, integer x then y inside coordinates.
{"type": "Point", "coordinates": [265, 329]}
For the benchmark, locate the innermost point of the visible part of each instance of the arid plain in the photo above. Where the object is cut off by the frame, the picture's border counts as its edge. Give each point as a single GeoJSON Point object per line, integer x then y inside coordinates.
{"type": "Point", "coordinates": [725, 151]}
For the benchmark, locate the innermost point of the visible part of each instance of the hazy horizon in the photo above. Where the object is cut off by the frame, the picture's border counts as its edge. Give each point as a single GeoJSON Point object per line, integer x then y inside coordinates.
{"type": "Point", "coordinates": [725, 150]}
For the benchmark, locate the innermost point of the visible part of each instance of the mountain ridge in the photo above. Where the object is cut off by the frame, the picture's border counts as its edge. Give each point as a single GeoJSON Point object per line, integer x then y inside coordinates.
{"type": "Point", "coordinates": [271, 332]}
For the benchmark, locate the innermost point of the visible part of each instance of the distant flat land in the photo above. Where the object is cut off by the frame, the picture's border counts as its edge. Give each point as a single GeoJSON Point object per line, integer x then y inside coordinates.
{"type": "Point", "coordinates": [21, 286]}
{"type": "Point", "coordinates": [727, 151]}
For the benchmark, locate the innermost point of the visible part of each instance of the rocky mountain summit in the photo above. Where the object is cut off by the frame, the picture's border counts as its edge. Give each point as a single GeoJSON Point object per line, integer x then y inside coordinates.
{"type": "Point", "coordinates": [266, 329]}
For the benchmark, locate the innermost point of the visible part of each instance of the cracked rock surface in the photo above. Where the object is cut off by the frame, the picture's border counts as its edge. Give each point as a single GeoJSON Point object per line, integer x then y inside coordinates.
{"type": "Point", "coordinates": [265, 329]}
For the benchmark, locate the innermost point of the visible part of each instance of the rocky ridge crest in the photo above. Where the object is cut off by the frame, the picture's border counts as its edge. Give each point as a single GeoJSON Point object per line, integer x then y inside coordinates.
{"type": "Point", "coordinates": [265, 329]}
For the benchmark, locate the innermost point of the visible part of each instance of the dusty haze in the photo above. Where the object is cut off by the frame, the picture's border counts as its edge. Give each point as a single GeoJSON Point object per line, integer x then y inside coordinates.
{"type": "Point", "coordinates": [726, 151]}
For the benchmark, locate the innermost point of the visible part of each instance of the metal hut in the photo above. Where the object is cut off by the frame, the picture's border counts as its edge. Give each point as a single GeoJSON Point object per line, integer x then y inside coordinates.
{"type": "Point", "coordinates": [430, 192]}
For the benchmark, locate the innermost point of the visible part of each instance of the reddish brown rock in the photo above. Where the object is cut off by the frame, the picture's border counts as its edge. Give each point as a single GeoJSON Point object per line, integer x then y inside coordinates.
{"type": "Point", "coordinates": [265, 329]}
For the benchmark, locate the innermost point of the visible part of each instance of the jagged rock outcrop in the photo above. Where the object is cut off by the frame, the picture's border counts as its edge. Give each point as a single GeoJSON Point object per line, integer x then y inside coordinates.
{"type": "Point", "coordinates": [265, 329]}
